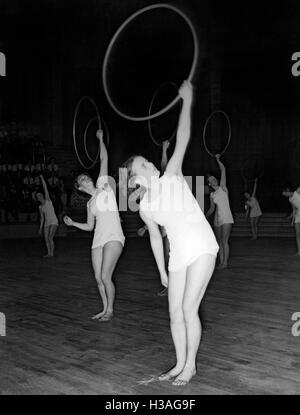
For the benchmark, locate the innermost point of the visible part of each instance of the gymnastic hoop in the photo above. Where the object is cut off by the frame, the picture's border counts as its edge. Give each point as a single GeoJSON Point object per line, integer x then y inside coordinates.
{"type": "Point", "coordinates": [248, 160]}
{"type": "Point", "coordinates": [112, 42]}
{"type": "Point", "coordinates": [84, 137]}
{"type": "Point", "coordinates": [150, 109]}
{"type": "Point", "coordinates": [86, 97]}
{"type": "Point", "coordinates": [229, 132]}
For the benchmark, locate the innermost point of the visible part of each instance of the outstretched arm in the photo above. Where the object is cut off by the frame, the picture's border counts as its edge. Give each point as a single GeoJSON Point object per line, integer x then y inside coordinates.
{"type": "Point", "coordinates": [88, 226]}
{"type": "Point", "coordinates": [184, 130]}
{"type": "Point", "coordinates": [211, 208]}
{"type": "Point", "coordinates": [255, 188]}
{"type": "Point", "coordinates": [103, 156]}
{"type": "Point", "coordinates": [164, 156]}
{"type": "Point", "coordinates": [157, 247]}
{"type": "Point", "coordinates": [47, 197]}
{"type": "Point", "coordinates": [42, 220]}
{"type": "Point", "coordinates": [223, 172]}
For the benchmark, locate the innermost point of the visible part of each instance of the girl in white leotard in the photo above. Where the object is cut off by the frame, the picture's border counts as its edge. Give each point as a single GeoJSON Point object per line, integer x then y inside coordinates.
{"type": "Point", "coordinates": [169, 202]}
{"type": "Point", "coordinates": [294, 198]}
{"type": "Point", "coordinates": [108, 239]}
{"type": "Point", "coordinates": [48, 218]}
{"type": "Point", "coordinates": [253, 210]}
{"type": "Point", "coordinates": [223, 220]}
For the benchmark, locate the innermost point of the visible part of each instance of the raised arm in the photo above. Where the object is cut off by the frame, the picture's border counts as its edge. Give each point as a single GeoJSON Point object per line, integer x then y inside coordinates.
{"type": "Point", "coordinates": [47, 197]}
{"type": "Point", "coordinates": [88, 226]}
{"type": "Point", "coordinates": [164, 156]}
{"type": "Point", "coordinates": [184, 130]}
{"type": "Point", "coordinates": [103, 156]}
{"type": "Point", "coordinates": [254, 188]}
{"type": "Point", "coordinates": [157, 247]}
{"type": "Point", "coordinates": [223, 173]}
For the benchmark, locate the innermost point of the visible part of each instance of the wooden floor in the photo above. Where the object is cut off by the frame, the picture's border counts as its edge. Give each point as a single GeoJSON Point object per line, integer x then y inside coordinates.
{"type": "Point", "coordinates": [52, 346]}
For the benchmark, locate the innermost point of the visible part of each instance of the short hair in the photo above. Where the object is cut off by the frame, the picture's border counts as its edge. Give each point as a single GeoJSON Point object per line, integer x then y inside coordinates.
{"type": "Point", "coordinates": [80, 178]}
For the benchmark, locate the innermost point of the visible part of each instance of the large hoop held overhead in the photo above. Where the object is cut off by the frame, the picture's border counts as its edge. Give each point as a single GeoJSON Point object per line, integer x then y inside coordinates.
{"type": "Point", "coordinates": [229, 132]}
{"type": "Point", "coordinates": [150, 109]}
{"type": "Point", "coordinates": [84, 137]}
{"type": "Point", "coordinates": [86, 97]}
{"type": "Point", "coordinates": [112, 42]}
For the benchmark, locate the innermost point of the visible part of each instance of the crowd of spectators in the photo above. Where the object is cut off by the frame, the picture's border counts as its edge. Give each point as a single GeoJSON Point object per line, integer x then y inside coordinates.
{"type": "Point", "coordinates": [22, 162]}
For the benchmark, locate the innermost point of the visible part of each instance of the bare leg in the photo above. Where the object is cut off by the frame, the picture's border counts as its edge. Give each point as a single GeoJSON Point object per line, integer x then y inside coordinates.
{"type": "Point", "coordinates": [175, 292]}
{"type": "Point", "coordinates": [111, 254]}
{"type": "Point", "coordinates": [97, 264]}
{"type": "Point", "coordinates": [226, 229]}
{"type": "Point", "coordinates": [253, 228]}
{"type": "Point", "coordinates": [257, 219]}
{"type": "Point", "coordinates": [218, 234]}
{"type": "Point", "coordinates": [297, 228]}
{"type": "Point", "coordinates": [198, 277]}
{"type": "Point", "coordinates": [46, 236]}
{"type": "Point", "coordinates": [52, 231]}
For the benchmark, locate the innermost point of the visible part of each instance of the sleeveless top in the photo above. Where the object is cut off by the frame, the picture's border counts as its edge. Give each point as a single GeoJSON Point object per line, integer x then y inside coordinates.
{"type": "Point", "coordinates": [187, 229]}
{"type": "Point", "coordinates": [255, 209]}
{"type": "Point", "coordinates": [103, 206]}
{"type": "Point", "coordinates": [295, 200]}
{"type": "Point", "coordinates": [48, 210]}
{"type": "Point", "coordinates": [223, 213]}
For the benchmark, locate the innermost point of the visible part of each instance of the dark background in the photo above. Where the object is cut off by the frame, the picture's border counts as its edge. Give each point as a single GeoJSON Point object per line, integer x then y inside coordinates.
{"type": "Point", "coordinates": [55, 50]}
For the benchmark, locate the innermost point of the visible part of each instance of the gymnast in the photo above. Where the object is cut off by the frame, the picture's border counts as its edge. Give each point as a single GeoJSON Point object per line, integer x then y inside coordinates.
{"type": "Point", "coordinates": [48, 218]}
{"type": "Point", "coordinates": [108, 239]}
{"type": "Point", "coordinates": [294, 198]}
{"type": "Point", "coordinates": [223, 217]}
{"type": "Point", "coordinates": [169, 202]}
{"type": "Point", "coordinates": [253, 210]}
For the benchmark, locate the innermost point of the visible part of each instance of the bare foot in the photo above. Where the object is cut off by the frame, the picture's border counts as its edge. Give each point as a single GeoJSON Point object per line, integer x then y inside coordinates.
{"type": "Point", "coordinates": [297, 254]}
{"type": "Point", "coordinates": [185, 376]}
{"type": "Point", "coordinates": [106, 317]}
{"type": "Point", "coordinates": [223, 266]}
{"type": "Point", "coordinates": [47, 256]}
{"type": "Point", "coordinates": [97, 316]}
{"type": "Point", "coordinates": [175, 371]}
{"type": "Point", "coordinates": [163, 292]}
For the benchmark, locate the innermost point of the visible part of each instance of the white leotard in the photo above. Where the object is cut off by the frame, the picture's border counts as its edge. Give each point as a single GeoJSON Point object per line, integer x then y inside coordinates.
{"type": "Point", "coordinates": [295, 200]}
{"type": "Point", "coordinates": [103, 206]}
{"type": "Point", "coordinates": [49, 213]}
{"type": "Point", "coordinates": [223, 213]}
{"type": "Point", "coordinates": [255, 209]}
{"type": "Point", "coordinates": [188, 231]}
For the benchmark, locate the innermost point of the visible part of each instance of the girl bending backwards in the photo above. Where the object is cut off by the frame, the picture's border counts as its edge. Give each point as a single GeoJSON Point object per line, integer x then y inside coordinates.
{"type": "Point", "coordinates": [294, 198]}
{"type": "Point", "coordinates": [223, 217]}
{"type": "Point", "coordinates": [142, 230]}
{"type": "Point", "coordinates": [48, 218]}
{"type": "Point", "coordinates": [255, 213]}
{"type": "Point", "coordinates": [108, 239]}
{"type": "Point", "coordinates": [169, 202]}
